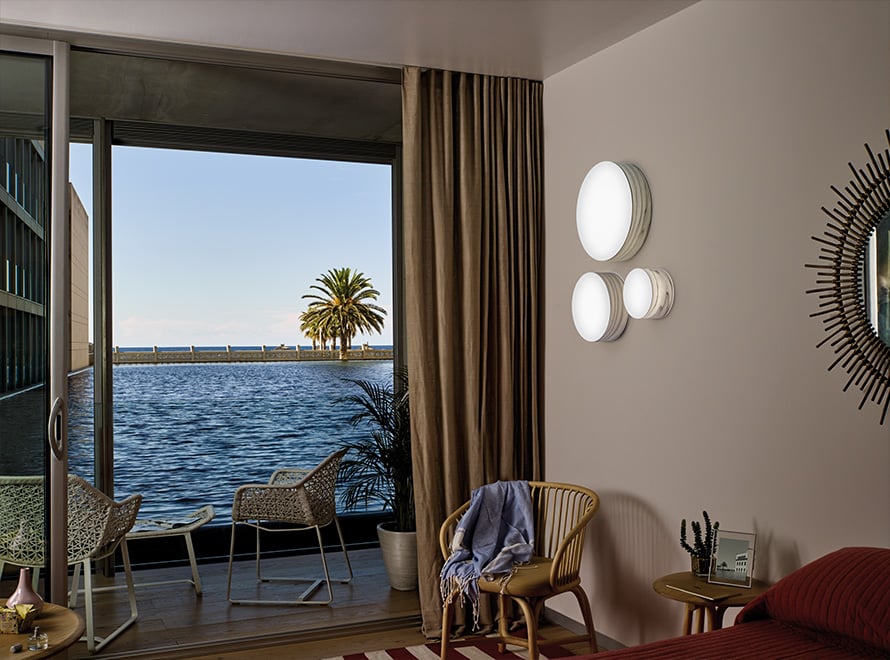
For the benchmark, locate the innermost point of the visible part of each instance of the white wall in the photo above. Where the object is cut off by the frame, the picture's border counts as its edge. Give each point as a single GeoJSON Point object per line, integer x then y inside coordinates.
{"type": "Point", "coordinates": [742, 114]}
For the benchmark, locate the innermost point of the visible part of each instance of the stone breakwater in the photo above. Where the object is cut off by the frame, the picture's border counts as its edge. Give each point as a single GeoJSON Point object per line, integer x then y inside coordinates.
{"type": "Point", "coordinates": [264, 354]}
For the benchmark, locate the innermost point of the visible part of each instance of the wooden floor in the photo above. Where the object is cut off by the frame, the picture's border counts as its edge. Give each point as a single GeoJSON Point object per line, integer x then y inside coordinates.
{"type": "Point", "coordinates": [174, 623]}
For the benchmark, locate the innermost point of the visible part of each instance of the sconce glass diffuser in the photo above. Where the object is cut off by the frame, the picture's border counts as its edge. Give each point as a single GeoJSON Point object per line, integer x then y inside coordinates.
{"type": "Point", "coordinates": [596, 307]}
{"type": "Point", "coordinates": [614, 211]}
{"type": "Point", "coordinates": [648, 293]}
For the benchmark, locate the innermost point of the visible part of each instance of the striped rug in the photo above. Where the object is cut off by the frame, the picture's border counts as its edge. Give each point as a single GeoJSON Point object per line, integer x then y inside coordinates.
{"type": "Point", "coordinates": [479, 648]}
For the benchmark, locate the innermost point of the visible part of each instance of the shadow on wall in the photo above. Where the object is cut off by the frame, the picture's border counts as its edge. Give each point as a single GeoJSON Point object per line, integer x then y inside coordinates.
{"type": "Point", "coordinates": [630, 549]}
{"type": "Point", "coordinates": [774, 558]}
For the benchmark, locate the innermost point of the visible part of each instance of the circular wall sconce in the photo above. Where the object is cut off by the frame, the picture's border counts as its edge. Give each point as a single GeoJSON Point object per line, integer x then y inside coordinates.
{"type": "Point", "coordinates": [614, 211]}
{"type": "Point", "coordinates": [648, 293]}
{"type": "Point", "coordinates": [596, 307]}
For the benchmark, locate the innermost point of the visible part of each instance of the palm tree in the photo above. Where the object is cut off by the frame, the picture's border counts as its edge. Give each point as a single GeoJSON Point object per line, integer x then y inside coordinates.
{"type": "Point", "coordinates": [340, 309]}
{"type": "Point", "coordinates": [315, 326]}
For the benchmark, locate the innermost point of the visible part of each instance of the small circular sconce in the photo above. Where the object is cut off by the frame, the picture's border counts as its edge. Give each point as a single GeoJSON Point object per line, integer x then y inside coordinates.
{"type": "Point", "coordinates": [614, 211]}
{"type": "Point", "coordinates": [648, 293]}
{"type": "Point", "coordinates": [596, 307]}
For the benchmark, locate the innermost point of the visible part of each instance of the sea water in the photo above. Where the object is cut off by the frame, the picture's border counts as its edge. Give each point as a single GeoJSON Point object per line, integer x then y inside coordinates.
{"type": "Point", "coordinates": [186, 435]}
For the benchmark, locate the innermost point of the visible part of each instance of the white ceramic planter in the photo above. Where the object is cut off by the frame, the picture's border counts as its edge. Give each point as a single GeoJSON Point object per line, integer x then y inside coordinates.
{"type": "Point", "coordinates": [399, 557]}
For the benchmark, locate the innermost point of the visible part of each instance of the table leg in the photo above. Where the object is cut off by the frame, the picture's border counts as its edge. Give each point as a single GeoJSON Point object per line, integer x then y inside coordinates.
{"type": "Point", "coordinates": [700, 621]}
{"type": "Point", "coordinates": [715, 617]}
{"type": "Point", "coordinates": [687, 619]}
{"type": "Point", "coordinates": [196, 578]}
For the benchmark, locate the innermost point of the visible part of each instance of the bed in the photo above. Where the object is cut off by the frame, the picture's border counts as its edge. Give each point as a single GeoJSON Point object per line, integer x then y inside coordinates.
{"type": "Point", "coordinates": [835, 608]}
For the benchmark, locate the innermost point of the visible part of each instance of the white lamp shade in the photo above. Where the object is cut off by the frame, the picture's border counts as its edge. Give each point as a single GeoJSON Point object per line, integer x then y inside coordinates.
{"type": "Point", "coordinates": [614, 211]}
{"type": "Point", "coordinates": [648, 293]}
{"type": "Point", "coordinates": [596, 307]}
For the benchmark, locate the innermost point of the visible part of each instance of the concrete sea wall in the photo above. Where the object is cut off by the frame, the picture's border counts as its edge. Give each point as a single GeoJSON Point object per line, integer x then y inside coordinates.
{"type": "Point", "coordinates": [264, 354]}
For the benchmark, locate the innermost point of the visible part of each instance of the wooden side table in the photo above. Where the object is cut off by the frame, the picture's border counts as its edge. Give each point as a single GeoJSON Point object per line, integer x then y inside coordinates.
{"type": "Point", "coordinates": [63, 626]}
{"type": "Point", "coordinates": [704, 598]}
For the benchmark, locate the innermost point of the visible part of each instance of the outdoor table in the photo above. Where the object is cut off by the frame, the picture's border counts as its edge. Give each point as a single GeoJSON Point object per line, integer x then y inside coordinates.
{"type": "Point", "coordinates": [184, 526]}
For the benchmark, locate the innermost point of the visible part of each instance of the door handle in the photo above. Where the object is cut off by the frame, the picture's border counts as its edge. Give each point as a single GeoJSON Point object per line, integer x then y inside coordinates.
{"type": "Point", "coordinates": [55, 428]}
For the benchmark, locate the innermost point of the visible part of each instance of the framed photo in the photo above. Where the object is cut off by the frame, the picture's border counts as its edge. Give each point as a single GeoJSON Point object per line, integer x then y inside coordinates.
{"type": "Point", "coordinates": [732, 560]}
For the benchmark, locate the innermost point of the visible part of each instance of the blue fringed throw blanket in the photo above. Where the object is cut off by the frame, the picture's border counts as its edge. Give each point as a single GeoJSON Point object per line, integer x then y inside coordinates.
{"type": "Point", "coordinates": [494, 535]}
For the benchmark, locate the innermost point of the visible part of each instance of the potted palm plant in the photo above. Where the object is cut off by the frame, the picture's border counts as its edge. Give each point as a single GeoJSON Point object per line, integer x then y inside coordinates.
{"type": "Point", "coordinates": [378, 470]}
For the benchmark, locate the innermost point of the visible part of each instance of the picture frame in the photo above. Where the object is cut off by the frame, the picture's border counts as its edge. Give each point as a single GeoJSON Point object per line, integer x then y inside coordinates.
{"type": "Point", "coordinates": [732, 558]}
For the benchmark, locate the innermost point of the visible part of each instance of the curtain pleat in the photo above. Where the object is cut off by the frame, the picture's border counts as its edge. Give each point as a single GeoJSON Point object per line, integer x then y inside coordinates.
{"type": "Point", "coordinates": [473, 232]}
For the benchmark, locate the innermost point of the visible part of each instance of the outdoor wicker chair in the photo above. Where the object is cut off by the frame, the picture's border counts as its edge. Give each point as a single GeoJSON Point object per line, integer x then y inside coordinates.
{"type": "Point", "coordinates": [97, 525]}
{"type": "Point", "coordinates": [561, 513]}
{"type": "Point", "coordinates": [293, 500]}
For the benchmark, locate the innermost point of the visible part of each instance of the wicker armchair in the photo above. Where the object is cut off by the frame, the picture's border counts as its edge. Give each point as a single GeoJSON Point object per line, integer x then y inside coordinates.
{"type": "Point", "coordinates": [561, 513]}
{"type": "Point", "coordinates": [293, 500]}
{"type": "Point", "coordinates": [97, 525]}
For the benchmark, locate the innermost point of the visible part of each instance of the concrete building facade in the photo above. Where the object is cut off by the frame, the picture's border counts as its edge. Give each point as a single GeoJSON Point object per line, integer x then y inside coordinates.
{"type": "Point", "coordinates": [23, 290]}
{"type": "Point", "coordinates": [23, 257]}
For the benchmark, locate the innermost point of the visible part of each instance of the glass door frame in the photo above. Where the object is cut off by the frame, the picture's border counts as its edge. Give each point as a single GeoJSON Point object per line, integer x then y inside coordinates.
{"type": "Point", "coordinates": [57, 307]}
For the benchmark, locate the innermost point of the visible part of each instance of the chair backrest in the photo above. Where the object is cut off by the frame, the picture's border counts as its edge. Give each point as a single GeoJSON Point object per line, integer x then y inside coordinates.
{"type": "Point", "coordinates": [561, 513]}
{"type": "Point", "coordinates": [292, 495]}
{"type": "Point", "coordinates": [96, 523]}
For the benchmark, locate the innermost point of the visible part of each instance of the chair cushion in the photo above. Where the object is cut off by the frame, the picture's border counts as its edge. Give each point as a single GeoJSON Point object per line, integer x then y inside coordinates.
{"type": "Point", "coordinates": [526, 580]}
{"type": "Point", "coordinates": [845, 593]}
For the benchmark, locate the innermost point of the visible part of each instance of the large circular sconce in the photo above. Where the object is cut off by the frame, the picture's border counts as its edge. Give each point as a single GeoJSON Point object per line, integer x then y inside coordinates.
{"type": "Point", "coordinates": [614, 211]}
{"type": "Point", "coordinates": [648, 293]}
{"type": "Point", "coordinates": [597, 310]}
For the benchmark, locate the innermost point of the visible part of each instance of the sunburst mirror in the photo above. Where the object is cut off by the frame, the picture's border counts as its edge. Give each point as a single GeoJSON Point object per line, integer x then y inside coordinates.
{"type": "Point", "coordinates": [852, 279]}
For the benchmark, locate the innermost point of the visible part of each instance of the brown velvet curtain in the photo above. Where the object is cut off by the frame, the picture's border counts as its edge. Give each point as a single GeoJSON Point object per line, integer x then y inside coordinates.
{"type": "Point", "coordinates": [473, 231]}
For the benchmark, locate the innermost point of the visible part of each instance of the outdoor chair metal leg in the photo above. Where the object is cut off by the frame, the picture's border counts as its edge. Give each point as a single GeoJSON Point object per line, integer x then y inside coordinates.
{"type": "Point", "coordinates": [75, 587]}
{"type": "Point", "coordinates": [231, 557]}
{"type": "Point", "coordinates": [259, 576]}
{"type": "Point", "coordinates": [91, 637]}
{"type": "Point", "coordinates": [313, 584]}
{"type": "Point", "coordinates": [345, 554]}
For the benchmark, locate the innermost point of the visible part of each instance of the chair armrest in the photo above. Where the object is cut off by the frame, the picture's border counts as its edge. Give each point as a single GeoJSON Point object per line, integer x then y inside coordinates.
{"type": "Point", "coordinates": [121, 517]}
{"type": "Point", "coordinates": [288, 476]}
{"type": "Point", "coordinates": [446, 531]}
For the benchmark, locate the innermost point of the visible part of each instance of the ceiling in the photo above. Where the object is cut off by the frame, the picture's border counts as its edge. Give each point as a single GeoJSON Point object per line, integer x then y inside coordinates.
{"type": "Point", "coordinates": [524, 38]}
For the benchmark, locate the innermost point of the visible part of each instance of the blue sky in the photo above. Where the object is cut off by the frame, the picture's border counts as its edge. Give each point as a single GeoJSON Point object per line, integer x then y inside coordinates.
{"type": "Point", "coordinates": [214, 249]}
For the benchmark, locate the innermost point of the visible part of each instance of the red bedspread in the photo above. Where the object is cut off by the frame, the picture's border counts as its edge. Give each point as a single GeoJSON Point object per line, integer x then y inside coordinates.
{"type": "Point", "coordinates": [767, 640]}
{"type": "Point", "coordinates": [835, 608]}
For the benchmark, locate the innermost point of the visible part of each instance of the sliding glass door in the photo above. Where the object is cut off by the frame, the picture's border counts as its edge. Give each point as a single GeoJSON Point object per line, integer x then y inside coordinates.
{"type": "Point", "coordinates": [33, 282]}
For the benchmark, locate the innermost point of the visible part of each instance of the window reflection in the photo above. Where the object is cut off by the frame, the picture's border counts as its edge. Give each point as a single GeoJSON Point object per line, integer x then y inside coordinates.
{"type": "Point", "coordinates": [877, 284]}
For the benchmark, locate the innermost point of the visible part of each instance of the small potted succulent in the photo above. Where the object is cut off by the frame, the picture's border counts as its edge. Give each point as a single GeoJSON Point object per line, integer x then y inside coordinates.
{"type": "Point", "coordinates": [702, 544]}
